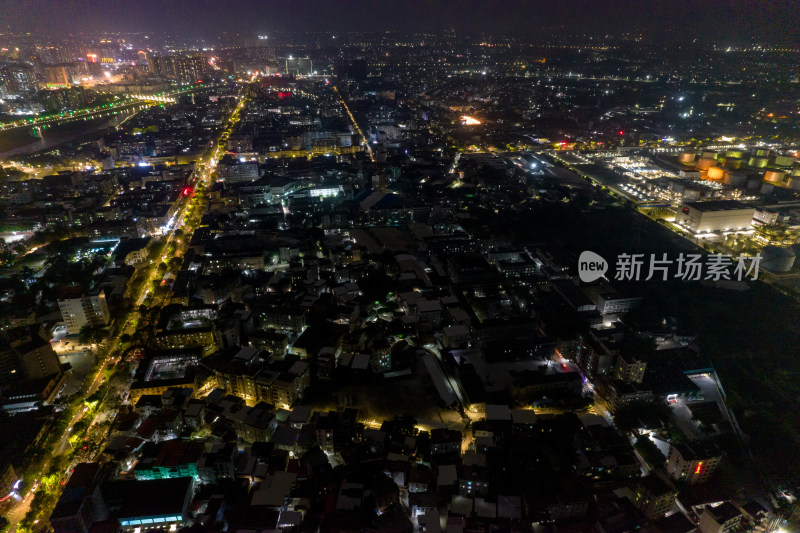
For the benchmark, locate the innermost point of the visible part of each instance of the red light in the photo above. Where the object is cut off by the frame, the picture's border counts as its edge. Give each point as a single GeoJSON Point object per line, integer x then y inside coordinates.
{"type": "Point", "coordinates": [187, 191]}
{"type": "Point", "coordinates": [621, 132]}
{"type": "Point", "coordinates": [699, 468]}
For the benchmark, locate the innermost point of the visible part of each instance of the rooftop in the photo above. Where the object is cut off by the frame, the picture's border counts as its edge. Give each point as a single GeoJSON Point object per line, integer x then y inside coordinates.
{"type": "Point", "coordinates": [717, 205]}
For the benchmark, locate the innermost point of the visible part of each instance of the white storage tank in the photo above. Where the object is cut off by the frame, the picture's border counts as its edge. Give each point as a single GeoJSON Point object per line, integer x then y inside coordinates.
{"type": "Point", "coordinates": [794, 183]}
{"type": "Point", "coordinates": [687, 157]}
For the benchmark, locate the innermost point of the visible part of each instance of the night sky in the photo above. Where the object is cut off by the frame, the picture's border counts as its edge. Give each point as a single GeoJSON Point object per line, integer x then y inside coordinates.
{"type": "Point", "coordinates": [776, 21]}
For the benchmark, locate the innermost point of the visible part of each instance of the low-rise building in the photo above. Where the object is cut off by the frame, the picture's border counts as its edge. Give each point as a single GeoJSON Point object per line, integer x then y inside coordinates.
{"type": "Point", "coordinates": [654, 496]}
{"type": "Point", "coordinates": [720, 518]}
{"type": "Point", "coordinates": [715, 215]}
{"type": "Point", "coordinates": [169, 459]}
{"type": "Point", "coordinates": [162, 503]}
{"type": "Point", "coordinates": [693, 462]}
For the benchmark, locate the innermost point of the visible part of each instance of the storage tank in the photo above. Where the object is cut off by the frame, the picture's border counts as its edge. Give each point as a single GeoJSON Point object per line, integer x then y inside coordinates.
{"type": "Point", "coordinates": [737, 154]}
{"type": "Point", "coordinates": [767, 188]}
{"type": "Point", "coordinates": [794, 183]}
{"type": "Point", "coordinates": [762, 152]}
{"type": "Point", "coordinates": [715, 173]}
{"type": "Point", "coordinates": [733, 163]}
{"type": "Point", "coordinates": [753, 183]}
{"type": "Point", "coordinates": [704, 163]}
{"type": "Point", "coordinates": [784, 161]}
{"type": "Point", "coordinates": [709, 154]}
{"type": "Point", "coordinates": [735, 179]}
{"type": "Point", "coordinates": [796, 171]}
{"type": "Point", "coordinates": [777, 259]}
{"type": "Point", "coordinates": [758, 162]}
{"type": "Point", "coordinates": [774, 176]}
{"type": "Point", "coordinates": [687, 157]}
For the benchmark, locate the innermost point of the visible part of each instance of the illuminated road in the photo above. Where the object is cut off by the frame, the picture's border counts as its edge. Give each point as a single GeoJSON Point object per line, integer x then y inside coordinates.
{"type": "Point", "coordinates": [364, 140]}
{"type": "Point", "coordinates": [205, 168]}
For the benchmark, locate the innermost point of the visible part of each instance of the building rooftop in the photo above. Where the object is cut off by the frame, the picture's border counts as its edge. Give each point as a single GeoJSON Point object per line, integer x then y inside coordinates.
{"type": "Point", "coordinates": [717, 205]}
{"type": "Point", "coordinates": [157, 497]}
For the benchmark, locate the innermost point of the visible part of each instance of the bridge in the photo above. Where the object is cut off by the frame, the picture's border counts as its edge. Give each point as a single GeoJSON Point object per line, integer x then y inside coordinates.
{"type": "Point", "coordinates": [154, 98]}
{"type": "Point", "coordinates": [128, 101]}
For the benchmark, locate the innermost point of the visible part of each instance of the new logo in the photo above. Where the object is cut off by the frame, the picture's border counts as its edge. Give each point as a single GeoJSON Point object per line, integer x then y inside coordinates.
{"type": "Point", "coordinates": [591, 266]}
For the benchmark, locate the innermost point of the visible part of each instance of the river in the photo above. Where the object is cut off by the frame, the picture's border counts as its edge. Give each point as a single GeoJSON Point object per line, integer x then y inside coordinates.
{"type": "Point", "coordinates": [21, 141]}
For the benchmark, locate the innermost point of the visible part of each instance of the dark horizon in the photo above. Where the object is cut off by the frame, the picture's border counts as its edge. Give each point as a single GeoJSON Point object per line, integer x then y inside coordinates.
{"type": "Point", "coordinates": [733, 22]}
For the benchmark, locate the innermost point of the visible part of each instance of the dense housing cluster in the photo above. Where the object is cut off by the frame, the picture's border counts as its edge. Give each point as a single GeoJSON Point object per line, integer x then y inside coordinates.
{"type": "Point", "coordinates": [333, 284]}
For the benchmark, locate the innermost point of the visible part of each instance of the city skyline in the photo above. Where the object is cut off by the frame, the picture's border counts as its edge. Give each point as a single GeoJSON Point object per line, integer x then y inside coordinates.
{"type": "Point", "coordinates": [726, 21]}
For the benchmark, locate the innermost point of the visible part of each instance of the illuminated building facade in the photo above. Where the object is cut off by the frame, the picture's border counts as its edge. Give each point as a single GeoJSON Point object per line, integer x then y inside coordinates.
{"type": "Point", "coordinates": [298, 66]}
{"type": "Point", "coordinates": [693, 462]}
{"type": "Point", "coordinates": [184, 69]}
{"type": "Point", "coordinates": [88, 310]}
{"type": "Point", "coordinates": [715, 216]}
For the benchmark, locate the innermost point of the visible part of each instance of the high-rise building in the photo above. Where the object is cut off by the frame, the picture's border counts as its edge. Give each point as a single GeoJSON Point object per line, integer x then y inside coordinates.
{"type": "Point", "coordinates": [18, 79]}
{"type": "Point", "coordinates": [90, 309]}
{"type": "Point", "coordinates": [59, 99]}
{"type": "Point", "coordinates": [179, 68]}
{"type": "Point", "coordinates": [27, 356]}
{"type": "Point", "coordinates": [298, 66]}
{"type": "Point", "coordinates": [56, 75]}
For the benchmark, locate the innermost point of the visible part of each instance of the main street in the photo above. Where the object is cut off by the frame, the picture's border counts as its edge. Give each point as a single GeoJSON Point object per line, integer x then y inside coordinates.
{"type": "Point", "coordinates": [113, 345]}
{"type": "Point", "coordinates": [204, 171]}
{"type": "Point", "coordinates": [364, 140]}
